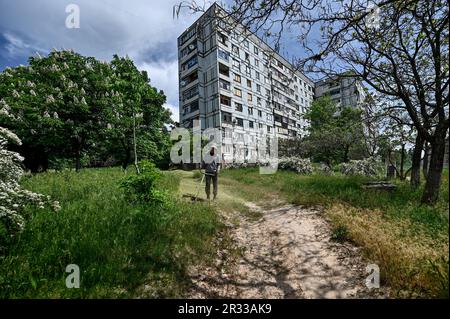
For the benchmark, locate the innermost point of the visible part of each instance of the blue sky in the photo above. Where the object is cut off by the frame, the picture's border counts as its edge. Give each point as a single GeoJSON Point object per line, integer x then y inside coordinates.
{"type": "Point", "coordinates": [145, 30]}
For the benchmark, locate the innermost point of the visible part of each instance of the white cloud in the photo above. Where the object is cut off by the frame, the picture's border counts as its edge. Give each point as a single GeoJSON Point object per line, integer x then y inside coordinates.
{"type": "Point", "coordinates": [174, 109]}
{"type": "Point", "coordinates": [145, 30]}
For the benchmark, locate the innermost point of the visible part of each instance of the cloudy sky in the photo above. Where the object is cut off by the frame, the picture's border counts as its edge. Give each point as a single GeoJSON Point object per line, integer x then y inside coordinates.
{"type": "Point", "coordinates": [143, 29]}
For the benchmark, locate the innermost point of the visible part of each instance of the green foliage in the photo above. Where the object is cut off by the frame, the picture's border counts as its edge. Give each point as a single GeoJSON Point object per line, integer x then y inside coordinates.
{"type": "Point", "coordinates": [68, 106]}
{"type": "Point", "coordinates": [340, 233]}
{"type": "Point", "coordinates": [336, 134]}
{"type": "Point", "coordinates": [119, 246]}
{"type": "Point", "coordinates": [142, 188]}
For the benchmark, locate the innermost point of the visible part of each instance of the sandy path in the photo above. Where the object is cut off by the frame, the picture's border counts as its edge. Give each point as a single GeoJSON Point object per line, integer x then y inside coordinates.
{"type": "Point", "coordinates": [285, 254]}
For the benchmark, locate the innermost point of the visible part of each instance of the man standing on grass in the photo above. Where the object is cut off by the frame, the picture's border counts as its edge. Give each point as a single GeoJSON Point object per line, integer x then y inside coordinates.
{"type": "Point", "coordinates": [212, 166]}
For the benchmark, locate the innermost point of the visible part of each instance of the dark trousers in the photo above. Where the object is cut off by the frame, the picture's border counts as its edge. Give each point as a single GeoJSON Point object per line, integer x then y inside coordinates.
{"type": "Point", "coordinates": [214, 178]}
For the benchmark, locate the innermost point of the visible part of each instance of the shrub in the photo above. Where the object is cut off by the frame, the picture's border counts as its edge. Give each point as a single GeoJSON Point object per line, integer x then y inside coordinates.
{"type": "Point", "coordinates": [143, 187]}
{"type": "Point", "coordinates": [296, 164]}
{"type": "Point", "coordinates": [365, 167]}
{"type": "Point", "coordinates": [14, 199]}
{"type": "Point", "coordinates": [324, 169]}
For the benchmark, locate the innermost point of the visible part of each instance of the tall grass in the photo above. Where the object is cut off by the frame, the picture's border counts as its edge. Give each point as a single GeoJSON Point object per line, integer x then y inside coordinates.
{"type": "Point", "coordinates": [408, 240]}
{"type": "Point", "coordinates": [119, 247]}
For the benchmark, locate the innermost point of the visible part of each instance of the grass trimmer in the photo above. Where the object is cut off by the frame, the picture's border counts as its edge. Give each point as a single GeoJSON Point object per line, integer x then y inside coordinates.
{"type": "Point", "coordinates": [196, 197]}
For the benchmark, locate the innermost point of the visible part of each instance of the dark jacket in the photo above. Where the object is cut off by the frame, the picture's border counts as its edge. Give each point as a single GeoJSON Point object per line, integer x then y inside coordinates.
{"type": "Point", "coordinates": [211, 167]}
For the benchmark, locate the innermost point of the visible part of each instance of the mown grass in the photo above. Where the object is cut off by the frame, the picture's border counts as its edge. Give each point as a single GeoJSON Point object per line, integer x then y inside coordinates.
{"type": "Point", "coordinates": [408, 240]}
{"type": "Point", "coordinates": [120, 248]}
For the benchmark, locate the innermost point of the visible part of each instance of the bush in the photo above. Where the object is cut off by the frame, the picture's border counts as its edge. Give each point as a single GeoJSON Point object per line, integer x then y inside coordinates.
{"type": "Point", "coordinates": [366, 167]}
{"type": "Point", "coordinates": [143, 187]}
{"type": "Point", "coordinates": [324, 169]}
{"type": "Point", "coordinates": [14, 200]}
{"type": "Point", "coordinates": [296, 164]}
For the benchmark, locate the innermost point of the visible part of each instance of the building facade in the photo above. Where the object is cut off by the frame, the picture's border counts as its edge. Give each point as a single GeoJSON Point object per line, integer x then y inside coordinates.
{"type": "Point", "coordinates": [232, 80]}
{"type": "Point", "coordinates": [344, 91]}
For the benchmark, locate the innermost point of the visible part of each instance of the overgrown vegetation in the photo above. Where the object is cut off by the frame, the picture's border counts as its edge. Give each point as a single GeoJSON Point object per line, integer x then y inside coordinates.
{"type": "Point", "coordinates": [408, 240]}
{"type": "Point", "coordinates": [120, 246]}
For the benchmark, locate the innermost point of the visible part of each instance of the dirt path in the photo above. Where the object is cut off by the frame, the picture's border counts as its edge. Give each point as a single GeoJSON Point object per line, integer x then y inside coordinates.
{"type": "Point", "coordinates": [287, 253]}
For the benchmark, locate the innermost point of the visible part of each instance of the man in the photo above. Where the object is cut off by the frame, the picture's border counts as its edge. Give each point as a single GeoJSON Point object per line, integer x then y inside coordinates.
{"type": "Point", "coordinates": [212, 167]}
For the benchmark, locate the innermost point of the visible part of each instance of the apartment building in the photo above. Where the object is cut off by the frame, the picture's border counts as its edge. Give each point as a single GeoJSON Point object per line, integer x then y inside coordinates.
{"type": "Point", "coordinates": [232, 80]}
{"type": "Point", "coordinates": [344, 90]}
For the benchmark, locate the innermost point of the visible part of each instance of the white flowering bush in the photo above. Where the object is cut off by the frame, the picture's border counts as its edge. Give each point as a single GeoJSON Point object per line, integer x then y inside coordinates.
{"type": "Point", "coordinates": [324, 169]}
{"type": "Point", "coordinates": [365, 167]}
{"type": "Point", "coordinates": [13, 199]}
{"type": "Point", "coordinates": [296, 164]}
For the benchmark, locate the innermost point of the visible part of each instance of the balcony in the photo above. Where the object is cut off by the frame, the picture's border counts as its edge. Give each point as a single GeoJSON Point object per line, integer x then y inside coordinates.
{"type": "Point", "coordinates": [224, 70]}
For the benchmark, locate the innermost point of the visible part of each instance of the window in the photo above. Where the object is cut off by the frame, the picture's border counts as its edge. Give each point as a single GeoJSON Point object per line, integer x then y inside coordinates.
{"type": "Point", "coordinates": [246, 43]}
{"type": "Point", "coordinates": [189, 93]}
{"type": "Point", "coordinates": [250, 124]}
{"type": "Point", "coordinates": [256, 62]}
{"type": "Point", "coordinates": [235, 49]}
{"type": "Point", "coordinates": [239, 122]}
{"type": "Point", "coordinates": [237, 78]}
{"type": "Point", "coordinates": [268, 128]}
{"type": "Point", "coordinates": [258, 88]}
{"type": "Point", "coordinates": [257, 75]}
{"type": "Point", "coordinates": [237, 92]}
{"type": "Point", "coordinates": [259, 113]}
{"type": "Point", "coordinates": [238, 106]}
{"type": "Point", "coordinates": [189, 63]}
{"type": "Point", "coordinates": [222, 38]}
{"type": "Point", "coordinates": [188, 49]}
{"type": "Point", "coordinates": [225, 100]}
{"type": "Point", "coordinates": [250, 111]}
{"type": "Point", "coordinates": [224, 84]}
{"type": "Point", "coordinates": [223, 55]}
{"type": "Point", "coordinates": [248, 70]}
{"type": "Point", "coordinates": [249, 97]}
{"type": "Point", "coordinates": [226, 118]}
{"type": "Point", "coordinates": [255, 49]}
{"type": "Point", "coordinates": [249, 83]}
{"type": "Point", "coordinates": [247, 56]}
{"type": "Point", "coordinates": [236, 64]}
{"type": "Point", "coordinates": [258, 101]}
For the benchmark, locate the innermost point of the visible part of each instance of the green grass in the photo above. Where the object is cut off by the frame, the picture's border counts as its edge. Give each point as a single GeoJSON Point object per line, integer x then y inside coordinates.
{"type": "Point", "coordinates": [119, 247]}
{"type": "Point", "coordinates": [407, 239]}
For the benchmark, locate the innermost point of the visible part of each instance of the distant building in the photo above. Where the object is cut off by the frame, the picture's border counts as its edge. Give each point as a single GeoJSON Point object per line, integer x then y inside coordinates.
{"type": "Point", "coordinates": [230, 78]}
{"type": "Point", "coordinates": [343, 90]}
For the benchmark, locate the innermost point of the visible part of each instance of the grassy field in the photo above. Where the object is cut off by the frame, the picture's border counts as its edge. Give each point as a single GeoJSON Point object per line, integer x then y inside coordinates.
{"type": "Point", "coordinates": [409, 241]}
{"type": "Point", "coordinates": [119, 247]}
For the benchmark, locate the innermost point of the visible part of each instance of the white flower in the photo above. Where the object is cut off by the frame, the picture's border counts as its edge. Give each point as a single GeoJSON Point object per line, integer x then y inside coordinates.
{"type": "Point", "coordinates": [83, 101]}
{"type": "Point", "coordinates": [32, 92]}
{"type": "Point", "coordinates": [50, 99]}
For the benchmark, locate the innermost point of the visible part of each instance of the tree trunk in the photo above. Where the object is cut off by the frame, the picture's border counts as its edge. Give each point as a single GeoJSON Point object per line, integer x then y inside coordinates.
{"type": "Point", "coordinates": [416, 157]}
{"type": "Point", "coordinates": [78, 161]}
{"type": "Point", "coordinates": [127, 158]}
{"type": "Point", "coordinates": [426, 160]}
{"type": "Point", "coordinates": [402, 163]}
{"type": "Point", "coordinates": [433, 182]}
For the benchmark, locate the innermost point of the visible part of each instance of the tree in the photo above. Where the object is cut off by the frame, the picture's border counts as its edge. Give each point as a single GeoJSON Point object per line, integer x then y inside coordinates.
{"type": "Point", "coordinates": [137, 105]}
{"type": "Point", "coordinates": [334, 132]}
{"type": "Point", "coordinates": [399, 48]}
{"type": "Point", "coordinates": [58, 102]}
{"type": "Point", "coordinates": [68, 106]}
